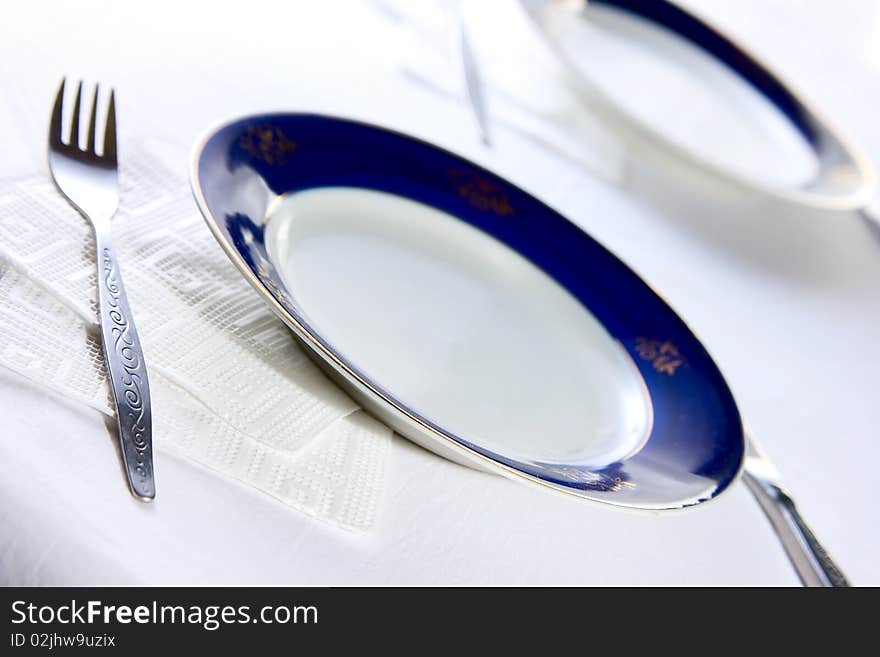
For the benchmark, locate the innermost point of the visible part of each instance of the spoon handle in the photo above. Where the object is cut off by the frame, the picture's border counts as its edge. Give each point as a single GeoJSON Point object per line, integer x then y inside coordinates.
{"type": "Point", "coordinates": [473, 79]}
{"type": "Point", "coordinates": [811, 561]}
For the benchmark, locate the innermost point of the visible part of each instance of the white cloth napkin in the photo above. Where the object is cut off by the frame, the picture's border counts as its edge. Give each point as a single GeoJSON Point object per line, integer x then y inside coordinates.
{"type": "Point", "coordinates": [231, 388]}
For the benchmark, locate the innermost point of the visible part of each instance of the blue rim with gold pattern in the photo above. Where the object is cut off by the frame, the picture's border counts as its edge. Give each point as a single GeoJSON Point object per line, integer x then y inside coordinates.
{"type": "Point", "coordinates": [696, 445]}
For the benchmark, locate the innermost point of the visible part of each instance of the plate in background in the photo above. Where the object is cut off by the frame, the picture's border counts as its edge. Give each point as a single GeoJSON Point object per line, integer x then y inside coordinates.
{"type": "Point", "coordinates": [663, 78]}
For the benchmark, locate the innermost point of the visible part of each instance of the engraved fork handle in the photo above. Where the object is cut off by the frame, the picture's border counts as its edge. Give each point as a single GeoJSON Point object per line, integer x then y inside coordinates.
{"type": "Point", "coordinates": [811, 561]}
{"type": "Point", "coordinates": [128, 375]}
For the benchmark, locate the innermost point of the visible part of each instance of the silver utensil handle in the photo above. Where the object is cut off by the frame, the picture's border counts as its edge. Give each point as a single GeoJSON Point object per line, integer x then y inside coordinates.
{"type": "Point", "coordinates": [811, 561]}
{"type": "Point", "coordinates": [473, 79]}
{"type": "Point", "coordinates": [127, 372]}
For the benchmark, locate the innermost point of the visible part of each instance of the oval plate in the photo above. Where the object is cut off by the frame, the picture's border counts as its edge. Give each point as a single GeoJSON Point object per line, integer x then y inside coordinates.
{"type": "Point", "coordinates": [693, 447]}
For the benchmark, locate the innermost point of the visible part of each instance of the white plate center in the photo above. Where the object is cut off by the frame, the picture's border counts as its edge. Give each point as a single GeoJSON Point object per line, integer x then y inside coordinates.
{"type": "Point", "coordinates": [458, 326]}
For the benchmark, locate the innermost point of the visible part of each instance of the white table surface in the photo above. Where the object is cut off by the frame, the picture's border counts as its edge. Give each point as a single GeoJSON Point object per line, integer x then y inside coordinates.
{"type": "Point", "coordinates": [786, 299]}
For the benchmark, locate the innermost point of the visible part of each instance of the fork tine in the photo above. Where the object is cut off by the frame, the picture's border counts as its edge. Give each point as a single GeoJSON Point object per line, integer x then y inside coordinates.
{"type": "Point", "coordinates": [90, 142]}
{"type": "Point", "coordinates": [55, 121]}
{"type": "Point", "coordinates": [110, 130]}
{"type": "Point", "coordinates": [74, 123]}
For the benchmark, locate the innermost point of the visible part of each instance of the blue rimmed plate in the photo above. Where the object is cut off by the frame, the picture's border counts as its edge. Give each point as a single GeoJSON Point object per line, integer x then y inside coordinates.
{"type": "Point", "coordinates": [663, 78]}
{"type": "Point", "coordinates": [468, 315]}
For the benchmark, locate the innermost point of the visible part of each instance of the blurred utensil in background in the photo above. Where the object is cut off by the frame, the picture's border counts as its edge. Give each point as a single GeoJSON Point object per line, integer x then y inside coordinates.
{"type": "Point", "coordinates": [472, 77]}
{"type": "Point", "coordinates": [522, 85]}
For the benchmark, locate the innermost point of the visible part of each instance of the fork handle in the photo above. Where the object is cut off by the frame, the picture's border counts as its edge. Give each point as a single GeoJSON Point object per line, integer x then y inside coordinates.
{"type": "Point", "coordinates": [127, 371]}
{"type": "Point", "coordinates": [811, 561]}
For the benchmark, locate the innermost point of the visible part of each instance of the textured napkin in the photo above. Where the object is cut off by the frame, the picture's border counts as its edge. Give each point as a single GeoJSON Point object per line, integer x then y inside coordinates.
{"type": "Point", "coordinates": [231, 388]}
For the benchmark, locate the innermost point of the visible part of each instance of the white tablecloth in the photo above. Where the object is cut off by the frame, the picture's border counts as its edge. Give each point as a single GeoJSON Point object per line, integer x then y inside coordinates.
{"type": "Point", "coordinates": [786, 299]}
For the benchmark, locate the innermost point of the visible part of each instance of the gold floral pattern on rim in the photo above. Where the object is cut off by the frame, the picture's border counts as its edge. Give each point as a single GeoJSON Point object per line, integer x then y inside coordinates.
{"type": "Point", "coordinates": [268, 144]}
{"type": "Point", "coordinates": [480, 192]}
{"type": "Point", "coordinates": [663, 354]}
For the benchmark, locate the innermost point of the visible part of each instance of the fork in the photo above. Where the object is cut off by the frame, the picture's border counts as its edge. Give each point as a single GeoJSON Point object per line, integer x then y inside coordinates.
{"type": "Point", "coordinates": [89, 181]}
